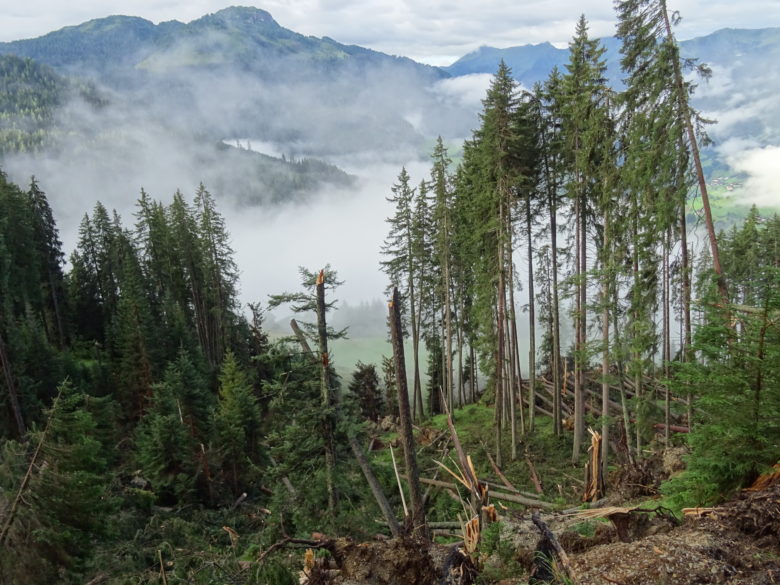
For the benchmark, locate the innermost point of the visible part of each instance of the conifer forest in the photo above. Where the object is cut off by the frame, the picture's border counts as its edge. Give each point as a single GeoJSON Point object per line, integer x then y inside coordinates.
{"type": "Point", "coordinates": [580, 380]}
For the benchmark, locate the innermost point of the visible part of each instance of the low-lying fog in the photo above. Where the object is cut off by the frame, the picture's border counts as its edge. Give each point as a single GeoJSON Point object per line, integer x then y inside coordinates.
{"type": "Point", "coordinates": [130, 145]}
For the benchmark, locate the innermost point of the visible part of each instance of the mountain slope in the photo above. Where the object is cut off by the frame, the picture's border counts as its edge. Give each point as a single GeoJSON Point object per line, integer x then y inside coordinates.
{"type": "Point", "coordinates": [242, 37]}
{"type": "Point", "coordinates": [740, 95]}
{"type": "Point", "coordinates": [31, 97]}
{"type": "Point", "coordinates": [532, 63]}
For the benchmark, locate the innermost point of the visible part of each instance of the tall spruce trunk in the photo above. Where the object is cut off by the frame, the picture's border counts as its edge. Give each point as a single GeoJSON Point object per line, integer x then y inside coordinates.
{"type": "Point", "coordinates": [667, 334]}
{"type": "Point", "coordinates": [556, 343]}
{"type": "Point", "coordinates": [605, 358]}
{"type": "Point", "coordinates": [556, 332]}
{"type": "Point", "coordinates": [583, 291]}
{"type": "Point", "coordinates": [512, 373]}
{"type": "Point", "coordinates": [686, 303]}
{"type": "Point", "coordinates": [459, 338]}
{"type": "Point", "coordinates": [326, 399]}
{"type": "Point", "coordinates": [516, 352]}
{"type": "Point", "coordinates": [418, 411]}
{"type": "Point", "coordinates": [417, 384]}
{"type": "Point", "coordinates": [636, 355]}
{"type": "Point", "coordinates": [531, 322]}
{"type": "Point", "coordinates": [448, 377]}
{"type": "Point", "coordinates": [419, 525]}
{"type": "Point", "coordinates": [500, 351]}
{"type": "Point", "coordinates": [515, 371]}
{"type": "Point", "coordinates": [579, 406]}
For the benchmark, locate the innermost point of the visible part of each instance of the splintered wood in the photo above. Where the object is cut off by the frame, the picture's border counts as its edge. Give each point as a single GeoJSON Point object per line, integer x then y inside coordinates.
{"type": "Point", "coordinates": [594, 483]}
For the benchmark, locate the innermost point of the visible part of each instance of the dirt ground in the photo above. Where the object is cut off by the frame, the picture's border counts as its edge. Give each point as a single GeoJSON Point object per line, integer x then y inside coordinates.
{"type": "Point", "coordinates": [737, 543]}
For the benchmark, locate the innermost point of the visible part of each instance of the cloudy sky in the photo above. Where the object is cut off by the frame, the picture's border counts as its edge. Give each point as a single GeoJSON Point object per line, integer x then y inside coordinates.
{"type": "Point", "coordinates": [432, 31]}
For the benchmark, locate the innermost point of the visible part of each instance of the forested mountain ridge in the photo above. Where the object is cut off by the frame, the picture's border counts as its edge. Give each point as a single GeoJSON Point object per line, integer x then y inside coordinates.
{"type": "Point", "coordinates": [244, 37]}
{"type": "Point", "coordinates": [31, 97]}
{"type": "Point", "coordinates": [739, 97]}
{"type": "Point", "coordinates": [532, 63]}
{"type": "Point", "coordinates": [738, 59]}
{"type": "Point", "coordinates": [175, 90]}
{"type": "Point", "coordinates": [238, 73]}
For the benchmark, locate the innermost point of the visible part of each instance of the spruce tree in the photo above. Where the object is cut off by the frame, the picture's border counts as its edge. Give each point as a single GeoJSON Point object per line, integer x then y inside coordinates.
{"type": "Point", "coordinates": [402, 266]}
{"type": "Point", "coordinates": [584, 115]}
{"type": "Point", "coordinates": [365, 388]}
{"type": "Point", "coordinates": [237, 425]}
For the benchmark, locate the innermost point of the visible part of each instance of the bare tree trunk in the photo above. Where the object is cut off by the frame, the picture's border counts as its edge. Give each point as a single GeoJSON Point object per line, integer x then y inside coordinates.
{"type": "Point", "coordinates": [621, 381]}
{"type": "Point", "coordinates": [473, 374]}
{"type": "Point", "coordinates": [512, 367]}
{"type": "Point", "coordinates": [636, 355]}
{"type": "Point", "coordinates": [327, 400]}
{"type": "Point", "coordinates": [448, 333]}
{"type": "Point", "coordinates": [500, 336]}
{"type": "Point", "coordinates": [376, 488]}
{"type": "Point", "coordinates": [579, 407]}
{"type": "Point", "coordinates": [418, 411]}
{"type": "Point", "coordinates": [459, 337]}
{"type": "Point", "coordinates": [605, 357]}
{"type": "Point", "coordinates": [531, 322]}
{"type": "Point", "coordinates": [667, 335]}
{"type": "Point", "coordinates": [419, 525]}
{"type": "Point", "coordinates": [417, 388]}
{"type": "Point", "coordinates": [556, 336]}
{"type": "Point", "coordinates": [686, 302]}
{"type": "Point", "coordinates": [515, 356]}
{"type": "Point", "coordinates": [682, 97]}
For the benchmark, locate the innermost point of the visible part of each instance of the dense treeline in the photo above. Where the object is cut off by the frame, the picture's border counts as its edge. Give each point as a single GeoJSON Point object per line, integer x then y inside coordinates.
{"type": "Point", "coordinates": [578, 195]}
{"type": "Point", "coordinates": [134, 380]}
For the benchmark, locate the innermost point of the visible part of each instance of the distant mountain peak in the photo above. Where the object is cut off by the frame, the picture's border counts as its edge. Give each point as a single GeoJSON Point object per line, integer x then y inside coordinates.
{"type": "Point", "coordinates": [241, 16]}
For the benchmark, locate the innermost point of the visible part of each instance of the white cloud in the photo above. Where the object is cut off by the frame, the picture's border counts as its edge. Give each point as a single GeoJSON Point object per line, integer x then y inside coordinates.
{"type": "Point", "coordinates": [467, 91]}
{"type": "Point", "coordinates": [763, 168]}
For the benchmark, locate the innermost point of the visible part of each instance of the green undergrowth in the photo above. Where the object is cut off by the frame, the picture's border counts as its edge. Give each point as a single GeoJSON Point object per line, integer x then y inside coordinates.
{"type": "Point", "coordinates": [474, 423]}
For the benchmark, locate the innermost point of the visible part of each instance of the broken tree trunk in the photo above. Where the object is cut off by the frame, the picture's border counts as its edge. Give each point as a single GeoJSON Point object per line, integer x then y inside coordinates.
{"type": "Point", "coordinates": [516, 498]}
{"type": "Point", "coordinates": [327, 400]}
{"type": "Point", "coordinates": [594, 484]}
{"type": "Point", "coordinates": [357, 450]}
{"type": "Point", "coordinates": [376, 488]}
{"type": "Point", "coordinates": [556, 545]}
{"type": "Point", "coordinates": [419, 526]}
{"type": "Point", "coordinates": [14, 505]}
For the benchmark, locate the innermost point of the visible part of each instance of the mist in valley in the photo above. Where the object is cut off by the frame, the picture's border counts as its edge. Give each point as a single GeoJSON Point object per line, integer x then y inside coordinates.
{"type": "Point", "coordinates": [168, 127]}
{"type": "Point", "coordinates": [173, 133]}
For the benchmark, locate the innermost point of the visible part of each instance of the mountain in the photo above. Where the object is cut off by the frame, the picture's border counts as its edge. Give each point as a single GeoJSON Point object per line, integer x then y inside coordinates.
{"type": "Point", "coordinates": [174, 94]}
{"type": "Point", "coordinates": [161, 96]}
{"type": "Point", "coordinates": [532, 63]}
{"type": "Point", "coordinates": [529, 63]}
{"type": "Point", "coordinates": [238, 73]}
{"type": "Point", "coordinates": [237, 37]}
{"type": "Point", "coordinates": [741, 93]}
